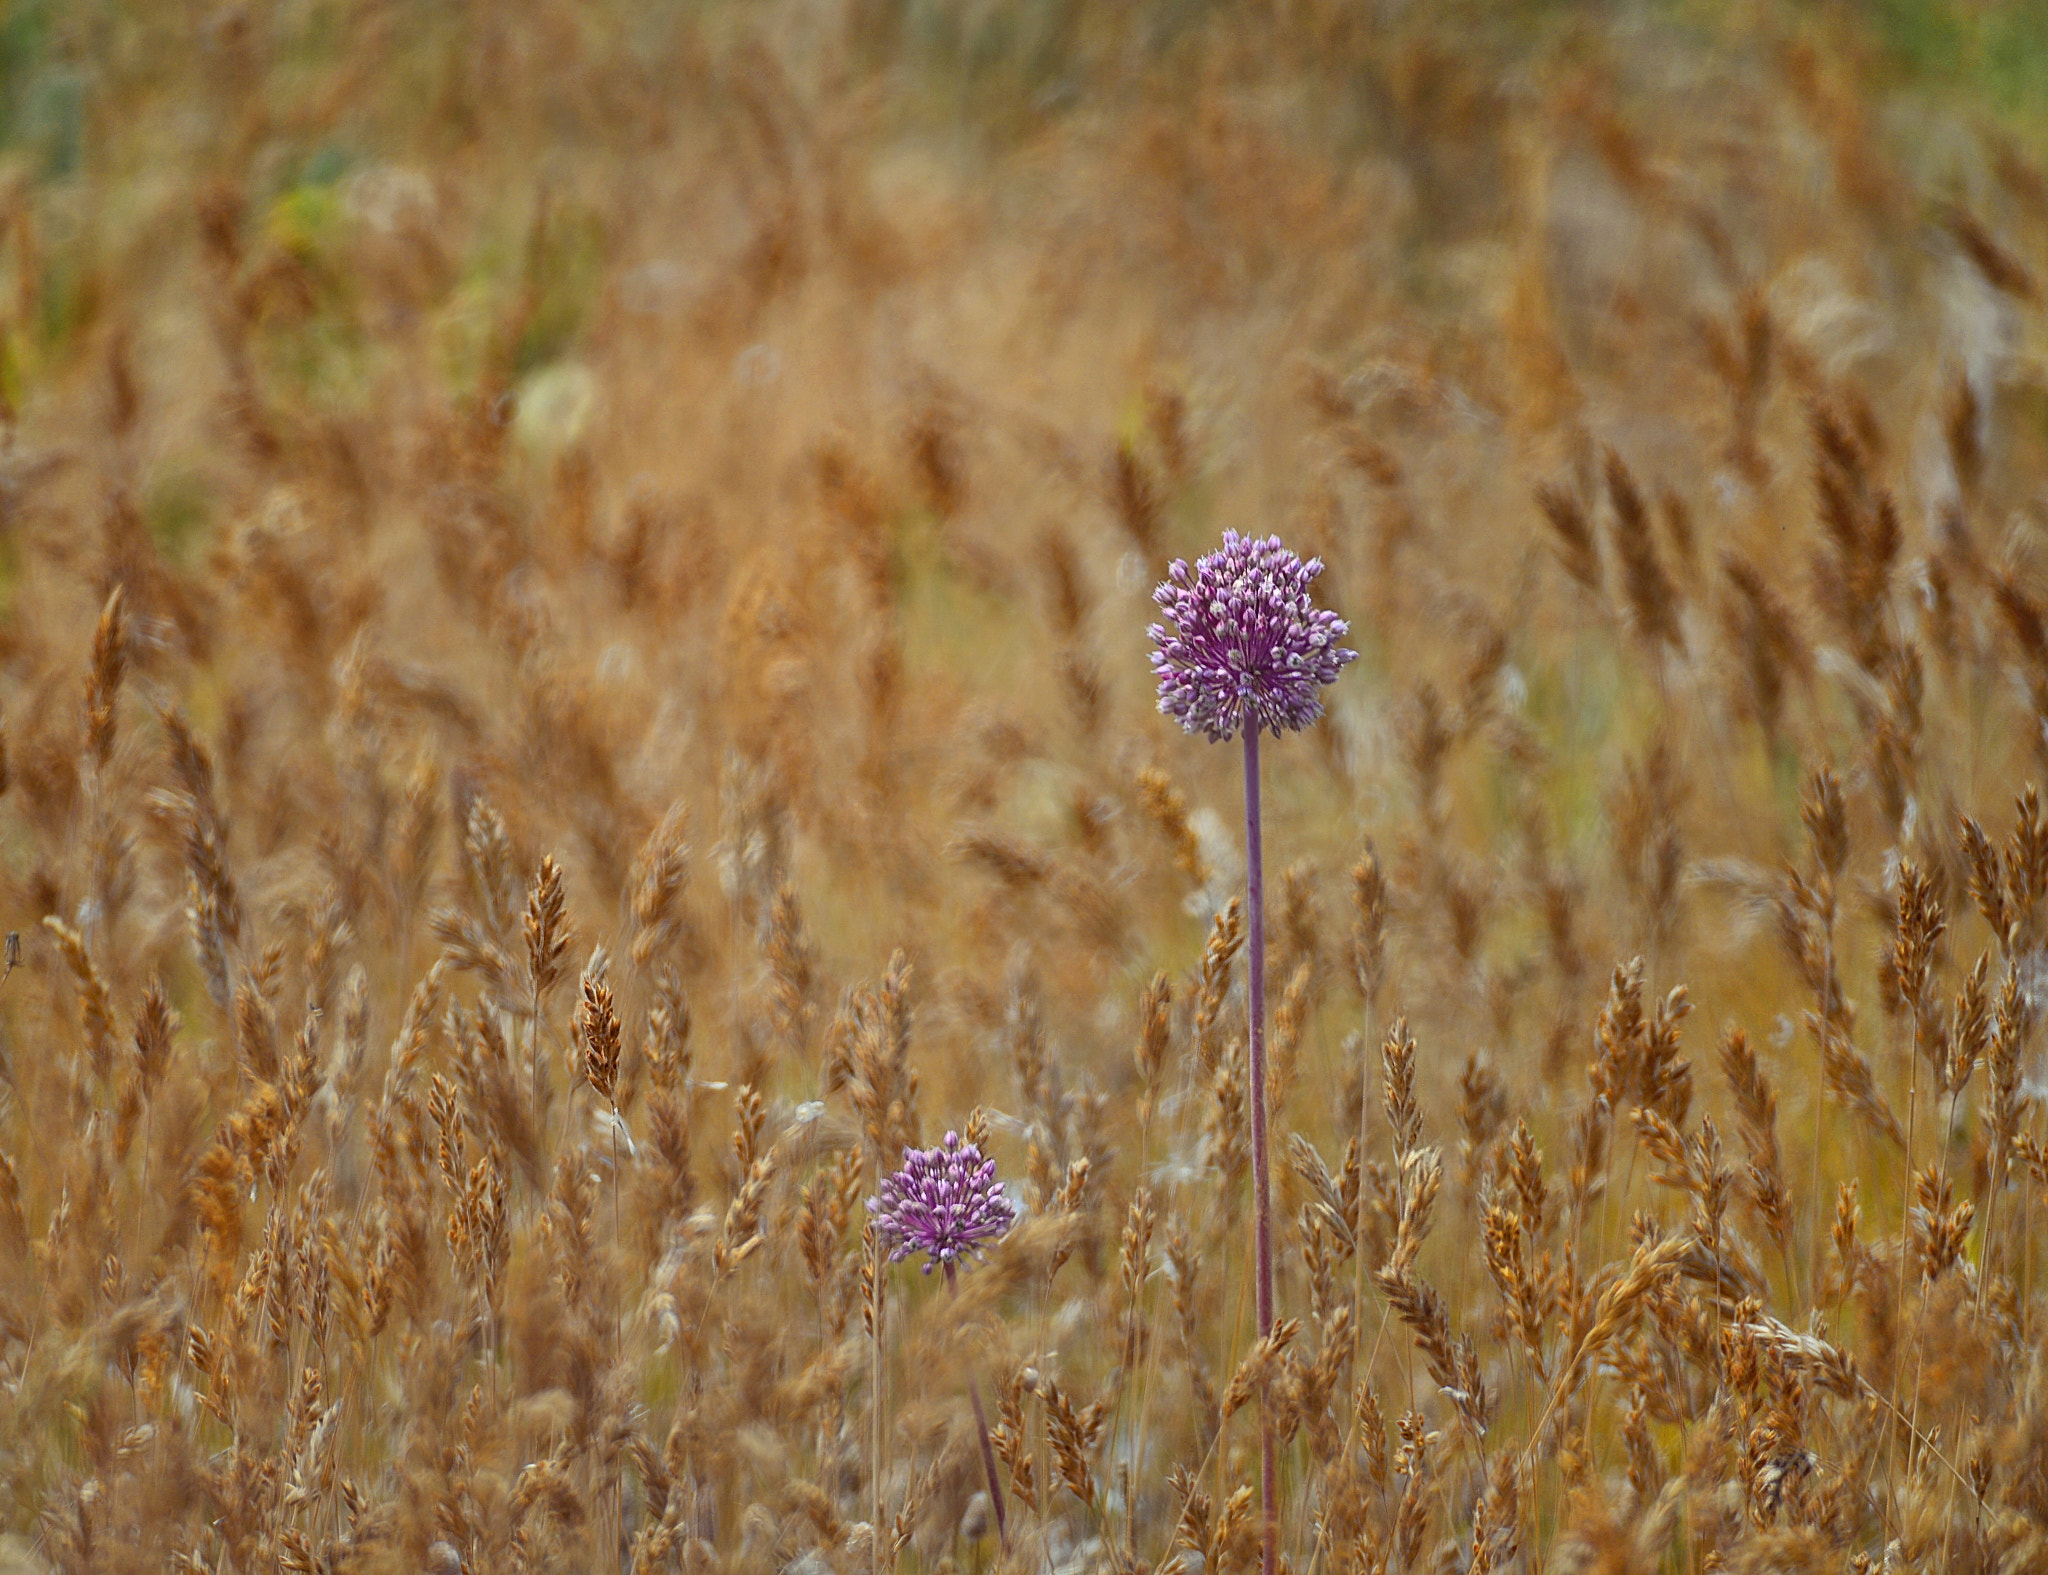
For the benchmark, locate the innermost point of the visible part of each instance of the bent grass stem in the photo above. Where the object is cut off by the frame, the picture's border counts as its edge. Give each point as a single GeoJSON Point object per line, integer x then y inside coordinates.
{"type": "Point", "coordinates": [988, 1450]}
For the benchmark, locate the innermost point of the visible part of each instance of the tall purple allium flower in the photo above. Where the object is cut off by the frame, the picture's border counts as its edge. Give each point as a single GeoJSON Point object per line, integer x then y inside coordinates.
{"type": "Point", "coordinates": [944, 1202]}
{"type": "Point", "coordinates": [1248, 649]}
{"type": "Point", "coordinates": [1249, 652]}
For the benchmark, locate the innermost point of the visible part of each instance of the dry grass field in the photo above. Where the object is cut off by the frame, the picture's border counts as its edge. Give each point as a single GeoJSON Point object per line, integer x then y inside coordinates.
{"type": "Point", "coordinates": [574, 679]}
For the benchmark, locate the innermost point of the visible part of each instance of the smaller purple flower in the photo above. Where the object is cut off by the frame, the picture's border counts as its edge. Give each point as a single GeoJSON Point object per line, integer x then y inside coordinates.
{"type": "Point", "coordinates": [1248, 649]}
{"type": "Point", "coordinates": [944, 1202]}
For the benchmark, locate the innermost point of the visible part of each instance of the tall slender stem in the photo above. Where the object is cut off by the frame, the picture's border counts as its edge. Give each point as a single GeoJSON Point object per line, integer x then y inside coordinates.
{"type": "Point", "coordinates": [871, 1288]}
{"type": "Point", "coordinates": [1262, 1200]}
{"type": "Point", "coordinates": [988, 1451]}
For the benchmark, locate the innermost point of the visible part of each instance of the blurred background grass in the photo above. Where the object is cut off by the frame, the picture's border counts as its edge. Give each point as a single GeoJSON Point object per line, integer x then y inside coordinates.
{"type": "Point", "coordinates": [682, 240]}
{"type": "Point", "coordinates": [105, 106]}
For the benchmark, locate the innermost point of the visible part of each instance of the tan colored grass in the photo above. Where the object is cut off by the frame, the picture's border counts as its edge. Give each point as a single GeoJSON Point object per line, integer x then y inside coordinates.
{"type": "Point", "coordinates": [574, 681]}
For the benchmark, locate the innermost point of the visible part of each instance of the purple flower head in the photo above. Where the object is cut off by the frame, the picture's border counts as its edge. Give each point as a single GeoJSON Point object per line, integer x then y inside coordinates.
{"type": "Point", "coordinates": [944, 1202]}
{"type": "Point", "coordinates": [1247, 649]}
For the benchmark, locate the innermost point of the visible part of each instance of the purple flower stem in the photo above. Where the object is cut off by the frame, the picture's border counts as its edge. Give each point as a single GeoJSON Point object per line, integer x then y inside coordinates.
{"type": "Point", "coordinates": [1262, 1198]}
{"type": "Point", "coordinates": [1249, 650]}
{"type": "Point", "coordinates": [988, 1450]}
